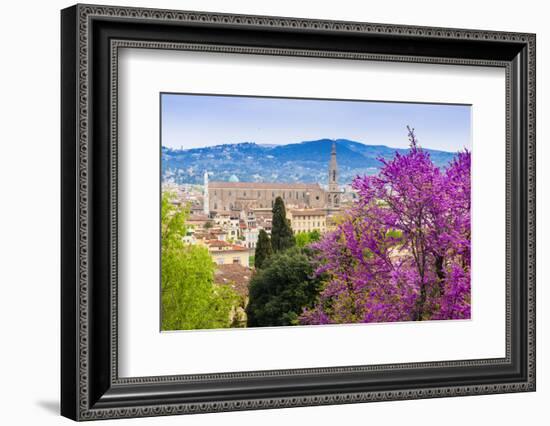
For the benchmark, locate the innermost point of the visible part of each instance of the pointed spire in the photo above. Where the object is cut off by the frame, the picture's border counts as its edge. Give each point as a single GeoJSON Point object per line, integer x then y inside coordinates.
{"type": "Point", "coordinates": [332, 196]}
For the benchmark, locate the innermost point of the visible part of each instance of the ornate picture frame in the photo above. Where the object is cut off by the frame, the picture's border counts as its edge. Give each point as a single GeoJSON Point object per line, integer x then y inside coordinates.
{"type": "Point", "coordinates": [91, 37]}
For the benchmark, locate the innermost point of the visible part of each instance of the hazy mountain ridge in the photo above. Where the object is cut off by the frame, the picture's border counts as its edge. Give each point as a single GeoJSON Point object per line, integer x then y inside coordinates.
{"type": "Point", "coordinates": [297, 162]}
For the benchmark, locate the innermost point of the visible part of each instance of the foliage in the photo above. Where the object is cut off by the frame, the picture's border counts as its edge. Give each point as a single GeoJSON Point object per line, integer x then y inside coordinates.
{"type": "Point", "coordinates": [263, 249]}
{"type": "Point", "coordinates": [403, 251]}
{"type": "Point", "coordinates": [190, 300]}
{"type": "Point", "coordinates": [304, 239]}
{"type": "Point", "coordinates": [282, 236]}
{"type": "Point", "coordinates": [284, 286]}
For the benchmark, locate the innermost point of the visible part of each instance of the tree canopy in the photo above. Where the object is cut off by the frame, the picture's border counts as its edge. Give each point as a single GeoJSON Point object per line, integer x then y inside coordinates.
{"type": "Point", "coordinates": [190, 300]}
{"type": "Point", "coordinates": [263, 249]}
{"type": "Point", "coordinates": [403, 251]}
{"type": "Point", "coordinates": [281, 290]}
{"type": "Point", "coordinates": [304, 239]}
{"type": "Point", "coordinates": [282, 236]}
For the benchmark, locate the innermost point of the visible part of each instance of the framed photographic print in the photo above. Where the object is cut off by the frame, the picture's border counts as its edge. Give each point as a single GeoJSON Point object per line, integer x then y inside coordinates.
{"type": "Point", "coordinates": [263, 212]}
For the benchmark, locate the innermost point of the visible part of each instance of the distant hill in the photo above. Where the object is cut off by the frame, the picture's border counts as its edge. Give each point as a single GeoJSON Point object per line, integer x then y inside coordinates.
{"type": "Point", "coordinates": [298, 162]}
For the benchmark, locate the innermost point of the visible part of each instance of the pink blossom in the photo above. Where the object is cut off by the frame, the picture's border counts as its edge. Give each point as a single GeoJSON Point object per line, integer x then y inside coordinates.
{"type": "Point", "coordinates": [402, 251]}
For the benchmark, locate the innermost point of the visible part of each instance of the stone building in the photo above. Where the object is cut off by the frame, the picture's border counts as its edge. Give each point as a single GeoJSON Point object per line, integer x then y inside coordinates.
{"type": "Point", "coordinates": [306, 220]}
{"type": "Point", "coordinates": [226, 197]}
{"type": "Point", "coordinates": [333, 194]}
{"type": "Point", "coordinates": [238, 196]}
{"type": "Point", "coordinates": [224, 253]}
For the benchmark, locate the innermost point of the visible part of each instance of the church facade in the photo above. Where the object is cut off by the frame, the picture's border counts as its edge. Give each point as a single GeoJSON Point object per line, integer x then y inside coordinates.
{"type": "Point", "coordinates": [226, 197]}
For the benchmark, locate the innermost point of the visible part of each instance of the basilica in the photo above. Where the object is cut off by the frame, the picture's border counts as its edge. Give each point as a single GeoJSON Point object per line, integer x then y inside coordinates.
{"type": "Point", "coordinates": [228, 197]}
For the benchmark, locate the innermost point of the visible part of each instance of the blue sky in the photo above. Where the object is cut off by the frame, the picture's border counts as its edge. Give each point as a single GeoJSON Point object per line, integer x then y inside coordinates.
{"type": "Point", "coordinates": [192, 121]}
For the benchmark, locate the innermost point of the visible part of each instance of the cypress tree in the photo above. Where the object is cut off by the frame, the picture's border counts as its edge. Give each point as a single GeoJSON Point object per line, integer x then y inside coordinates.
{"type": "Point", "coordinates": [282, 236]}
{"type": "Point", "coordinates": [263, 249]}
{"type": "Point", "coordinates": [279, 292]}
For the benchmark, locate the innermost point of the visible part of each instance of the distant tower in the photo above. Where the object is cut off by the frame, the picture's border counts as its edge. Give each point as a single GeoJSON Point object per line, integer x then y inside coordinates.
{"type": "Point", "coordinates": [333, 190]}
{"type": "Point", "coordinates": [205, 203]}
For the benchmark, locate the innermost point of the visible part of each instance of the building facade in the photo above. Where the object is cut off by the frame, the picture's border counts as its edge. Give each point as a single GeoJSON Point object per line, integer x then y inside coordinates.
{"type": "Point", "coordinates": [306, 220]}
{"type": "Point", "coordinates": [238, 196]}
{"type": "Point", "coordinates": [227, 197]}
{"type": "Point", "coordinates": [224, 253]}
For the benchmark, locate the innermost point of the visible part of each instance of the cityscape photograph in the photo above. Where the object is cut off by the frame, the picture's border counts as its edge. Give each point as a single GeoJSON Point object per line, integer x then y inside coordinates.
{"type": "Point", "coordinates": [301, 212]}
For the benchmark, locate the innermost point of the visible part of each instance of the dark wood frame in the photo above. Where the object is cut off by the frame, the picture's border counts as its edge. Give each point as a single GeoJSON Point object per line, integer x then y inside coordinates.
{"type": "Point", "coordinates": [91, 37]}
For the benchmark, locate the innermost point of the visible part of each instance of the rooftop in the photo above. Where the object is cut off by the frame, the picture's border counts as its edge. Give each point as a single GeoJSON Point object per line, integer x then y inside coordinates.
{"type": "Point", "coordinates": [224, 245]}
{"type": "Point", "coordinates": [263, 185]}
{"type": "Point", "coordinates": [308, 212]}
{"type": "Point", "coordinates": [235, 275]}
{"type": "Point", "coordinates": [197, 217]}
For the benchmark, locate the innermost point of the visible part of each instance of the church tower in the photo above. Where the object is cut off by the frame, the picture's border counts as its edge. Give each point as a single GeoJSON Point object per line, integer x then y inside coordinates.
{"type": "Point", "coordinates": [333, 190]}
{"type": "Point", "coordinates": [206, 200]}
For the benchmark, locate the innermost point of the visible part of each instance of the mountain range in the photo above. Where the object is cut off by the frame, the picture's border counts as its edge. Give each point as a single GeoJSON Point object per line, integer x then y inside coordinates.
{"type": "Point", "coordinates": [297, 162]}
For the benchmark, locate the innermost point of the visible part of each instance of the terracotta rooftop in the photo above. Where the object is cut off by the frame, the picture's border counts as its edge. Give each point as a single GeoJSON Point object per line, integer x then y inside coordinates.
{"type": "Point", "coordinates": [308, 212]}
{"type": "Point", "coordinates": [228, 246]}
{"type": "Point", "coordinates": [201, 235]}
{"type": "Point", "coordinates": [217, 243]}
{"type": "Point", "coordinates": [226, 212]}
{"type": "Point", "coordinates": [197, 217]}
{"type": "Point", "coordinates": [218, 232]}
{"type": "Point", "coordinates": [262, 185]}
{"type": "Point", "coordinates": [234, 275]}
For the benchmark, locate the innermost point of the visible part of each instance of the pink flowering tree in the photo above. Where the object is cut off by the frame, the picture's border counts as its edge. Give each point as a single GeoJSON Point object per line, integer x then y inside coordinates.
{"type": "Point", "coordinates": [402, 252]}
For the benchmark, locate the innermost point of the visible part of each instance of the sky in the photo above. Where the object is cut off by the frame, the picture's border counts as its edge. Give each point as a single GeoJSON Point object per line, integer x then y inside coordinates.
{"type": "Point", "coordinates": [193, 121]}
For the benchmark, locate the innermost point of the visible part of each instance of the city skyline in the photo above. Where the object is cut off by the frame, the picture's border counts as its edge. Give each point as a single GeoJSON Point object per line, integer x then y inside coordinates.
{"type": "Point", "coordinates": [193, 121]}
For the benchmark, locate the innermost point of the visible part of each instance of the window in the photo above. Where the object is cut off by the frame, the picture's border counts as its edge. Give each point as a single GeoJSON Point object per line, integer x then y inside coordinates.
{"type": "Point", "coordinates": [236, 260]}
{"type": "Point", "coordinates": [334, 175]}
{"type": "Point", "coordinates": [220, 261]}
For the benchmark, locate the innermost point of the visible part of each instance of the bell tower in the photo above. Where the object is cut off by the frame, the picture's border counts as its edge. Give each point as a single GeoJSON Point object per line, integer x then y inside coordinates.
{"type": "Point", "coordinates": [333, 190]}
{"type": "Point", "coordinates": [206, 196]}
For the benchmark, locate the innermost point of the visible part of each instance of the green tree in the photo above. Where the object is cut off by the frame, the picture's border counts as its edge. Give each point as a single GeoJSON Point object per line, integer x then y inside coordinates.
{"type": "Point", "coordinates": [263, 249]}
{"type": "Point", "coordinates": [282, 236]}
{"type": "Point", "coordinates": [190, 299]}
{"type": "Point", "coordinates": [280, 291]}
{"type": "Point", "coordinates": [304, 239]}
